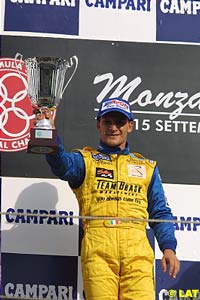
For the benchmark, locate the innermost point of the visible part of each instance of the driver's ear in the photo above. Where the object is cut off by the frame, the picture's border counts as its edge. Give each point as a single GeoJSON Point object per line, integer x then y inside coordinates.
{"type": "Point", "coordinates": [98, 124]}
{"type": "Point", "coordinates": [130, 126]}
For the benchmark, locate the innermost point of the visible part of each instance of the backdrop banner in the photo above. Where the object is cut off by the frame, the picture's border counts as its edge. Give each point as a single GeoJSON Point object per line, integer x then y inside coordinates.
{"type": "Point", "coordinates": [161, 82]}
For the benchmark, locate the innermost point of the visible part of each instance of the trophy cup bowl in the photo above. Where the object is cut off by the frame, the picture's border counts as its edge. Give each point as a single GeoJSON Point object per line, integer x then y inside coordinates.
{"type": "Point", "coordinates": [46, 83]}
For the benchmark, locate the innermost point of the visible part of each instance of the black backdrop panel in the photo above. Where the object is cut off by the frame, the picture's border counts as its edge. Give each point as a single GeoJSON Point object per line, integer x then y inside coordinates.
{"type": "Point", "coordinates": [162, 77]}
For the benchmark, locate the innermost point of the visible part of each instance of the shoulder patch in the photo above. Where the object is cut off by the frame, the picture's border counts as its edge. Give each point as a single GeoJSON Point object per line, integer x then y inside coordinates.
{"type": "Point", "coordinates": [147, 160]}
{"type": "Point", "coordinates": [138, 155]}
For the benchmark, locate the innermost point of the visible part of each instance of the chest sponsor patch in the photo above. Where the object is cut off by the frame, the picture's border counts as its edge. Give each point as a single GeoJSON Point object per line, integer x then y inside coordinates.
{"type": "Point", "coordinates": [104, 173]}
{"type": "Point", "coordinates": [100, 156]}
{"type": "Point", "coordinates": [136, 171]}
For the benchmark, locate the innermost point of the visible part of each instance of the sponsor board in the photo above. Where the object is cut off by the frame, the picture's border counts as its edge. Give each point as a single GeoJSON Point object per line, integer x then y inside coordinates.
{"type": "Point", "coordinates": [40, 282]}
{"type": "Point", "coordinates": [40, 277]}
{"type": "Point", "coordinates": [164, 99]}
{"type": "Point", "coordinates": [124, 20]}
{"type": "Point", "coordinates": [178, 20]}
{"type": "Point", "coordinates": [158, 88]}
{"type": "Point", "coordinates": [2, 7]}
{"type": "Point", "coordinates": [44, 16]}
{"type": "Point", "coordinates": [15, 108]}
{"type": "Point", "coordinates": [172, 104]}
{"type": "Point", "coordinates": [80, 290]}
{"type": "Point", "coordinates": [118, 20]}
{"type": "Point", "coordinates": [38, 213]}
{"type": "Point", "coordinates": [162, 86]}
{"type": "Point", "coordinates": [184, 287]}
{"type": "Point", "coordinates": [184, 201]}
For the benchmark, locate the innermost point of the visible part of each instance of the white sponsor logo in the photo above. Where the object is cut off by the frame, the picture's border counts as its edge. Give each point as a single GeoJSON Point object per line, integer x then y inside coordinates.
{"type": "Point", "coordinates": [136, 171]}
{"type": "Point", "coordinates": [38, 291]}
{"type": "Point", "coordinates": [176, 102]}
{"type": "Point", "coordinates": [189, 7]}
{"type": "Point", "coordinates": [115, 104]}
{"type": "Point", "coordinates": [69, 3]}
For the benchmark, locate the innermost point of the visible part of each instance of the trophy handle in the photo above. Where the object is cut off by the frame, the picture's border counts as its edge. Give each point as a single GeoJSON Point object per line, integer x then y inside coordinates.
{"type": "Point", "coordinates": [75, 58]}
{"type": "Point", "coordinates": [19, 56]}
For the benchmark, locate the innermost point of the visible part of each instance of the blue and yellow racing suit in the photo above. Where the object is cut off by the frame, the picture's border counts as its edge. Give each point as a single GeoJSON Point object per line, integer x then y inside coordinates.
{"type": "Point", "coordinates": [122, 190]}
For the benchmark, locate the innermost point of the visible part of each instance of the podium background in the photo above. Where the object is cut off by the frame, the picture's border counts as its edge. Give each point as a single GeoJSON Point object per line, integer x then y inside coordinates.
{"type": "Point", "coordinates": [147, 53]}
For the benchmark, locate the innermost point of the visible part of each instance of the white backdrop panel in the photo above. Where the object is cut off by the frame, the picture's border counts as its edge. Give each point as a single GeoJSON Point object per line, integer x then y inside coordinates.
{"type": "Point", "coordinates": [184, 201]}
{"type": "Point", "coordinates": [2, 7]}
{"type": "Point", "coordinates": [125, 24]}
{"type": "Point", "coordinates": [38, 234]}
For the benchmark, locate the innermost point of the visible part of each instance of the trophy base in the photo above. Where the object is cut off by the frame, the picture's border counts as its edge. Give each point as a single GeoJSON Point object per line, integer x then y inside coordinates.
{"type": "Point", "coordinates": [42, 141]}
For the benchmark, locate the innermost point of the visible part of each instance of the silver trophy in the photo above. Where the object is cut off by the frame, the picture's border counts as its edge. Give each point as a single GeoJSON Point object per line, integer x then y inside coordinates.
{"type": "Point", "coordinates": [46, 78]}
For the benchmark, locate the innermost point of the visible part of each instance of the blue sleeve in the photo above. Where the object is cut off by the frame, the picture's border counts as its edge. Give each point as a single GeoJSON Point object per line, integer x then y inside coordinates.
{"type": "Point", "coordinates": [159, 209]}
{"type": "Point", "coordinates": [67, 166]}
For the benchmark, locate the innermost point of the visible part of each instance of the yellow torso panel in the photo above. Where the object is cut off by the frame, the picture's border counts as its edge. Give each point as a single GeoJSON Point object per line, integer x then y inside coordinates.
{"type": "Point", "coordinates": [114, 185]}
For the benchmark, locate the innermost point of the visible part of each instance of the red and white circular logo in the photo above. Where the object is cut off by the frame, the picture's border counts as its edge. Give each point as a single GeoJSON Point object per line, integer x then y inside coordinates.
{"type": "Point", "coordinates": [16, 115]}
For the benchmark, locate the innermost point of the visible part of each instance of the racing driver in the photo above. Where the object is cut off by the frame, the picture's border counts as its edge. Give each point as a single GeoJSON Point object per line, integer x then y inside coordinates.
{"type": "Point", "coordinates": [118, 190]}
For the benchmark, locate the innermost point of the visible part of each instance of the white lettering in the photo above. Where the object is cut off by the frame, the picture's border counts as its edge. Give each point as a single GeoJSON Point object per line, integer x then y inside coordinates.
{"type": "Point", "coordinates": [63, 291]}
{"type": "Point", "coordinates": [174, 7]}
{"type": "Point", "coordinates": [177, 101]}
{"type": "Point", "coordinates": [10, 64]}
{"type": "Point", "coordinates": [164, 6]}
{"type": "Point", "coordinates": [3, 145]}
{"type": "Point", "coordinates": [180, 7]}
{"type": "Point", "coordinates": [8, 289]}
{"type": "Point", "coordinates": [39, 291]}
{"type": "Point", "coordinates": [29, 1]}
{"type": "Point", "coordinates": [69, 3]}
{"type": "Point", "coordinates": [43, 289]}
{"type": "Point", "coordinates": [31, 291]}
{"type": "Point", "coordinates": [120, 89]}
{"type": "Point", "coordinates": [177, 126]}
{"type": "Point", "coordinates": [54, 2]}
{"type": "Point", "coordinates": [163, 293]}
{"type": "Point", "coordinates": [19, 144]}
{"type": "Point", "coordinates": [185, 7]}
{"type": "Point", "coordinates": [19, 291]}
{"type": "Point", "coordinates": [196, 7]}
